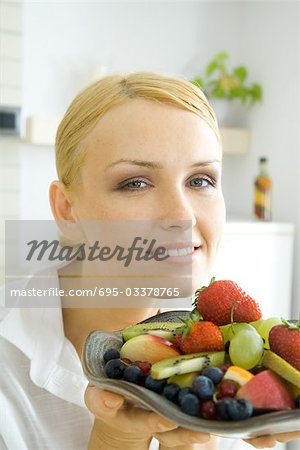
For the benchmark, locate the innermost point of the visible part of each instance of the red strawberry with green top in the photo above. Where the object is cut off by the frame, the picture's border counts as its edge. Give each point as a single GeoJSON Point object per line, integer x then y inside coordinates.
{"type": "Point", "coordinates": [223, 302]}
{"type": "Point", "coordinates": [199, 336]}
{"type": "Point", "coordinates": [284, 340]}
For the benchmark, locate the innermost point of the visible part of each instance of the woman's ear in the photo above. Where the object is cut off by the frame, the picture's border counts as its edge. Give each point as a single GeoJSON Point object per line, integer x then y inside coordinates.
{"type": "Point", "coordinates": [63, 212]}
{"type": "Point", "coordinates": [60, 202]}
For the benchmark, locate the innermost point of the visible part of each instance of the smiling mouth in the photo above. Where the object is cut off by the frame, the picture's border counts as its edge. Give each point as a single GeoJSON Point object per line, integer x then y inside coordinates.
{"type": "Point", "coordinates": [177, 252]}
{"type": "Point", "coordinates": [181, 251]}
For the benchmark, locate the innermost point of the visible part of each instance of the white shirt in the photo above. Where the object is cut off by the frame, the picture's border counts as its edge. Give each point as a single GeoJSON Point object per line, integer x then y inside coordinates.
{"type": "Point", "coordinates": [42, 383]}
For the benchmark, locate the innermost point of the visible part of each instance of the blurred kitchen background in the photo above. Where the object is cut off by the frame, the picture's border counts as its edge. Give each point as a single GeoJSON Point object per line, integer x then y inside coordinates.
{"type": "Point", "coordinates": [50, 50]}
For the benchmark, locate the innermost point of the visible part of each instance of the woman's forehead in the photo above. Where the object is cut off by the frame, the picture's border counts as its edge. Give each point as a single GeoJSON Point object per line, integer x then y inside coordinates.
{"type": "Point", "coordinates": [144, 126]}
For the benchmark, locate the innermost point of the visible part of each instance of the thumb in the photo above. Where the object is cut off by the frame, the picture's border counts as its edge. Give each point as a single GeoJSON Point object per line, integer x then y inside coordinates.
{"type": "Point", "coordinates": [102, 403]}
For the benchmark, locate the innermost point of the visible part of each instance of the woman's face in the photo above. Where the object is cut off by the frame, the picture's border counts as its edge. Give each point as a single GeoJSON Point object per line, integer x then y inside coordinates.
{"type": "Point", "coordinates": [149, 161]}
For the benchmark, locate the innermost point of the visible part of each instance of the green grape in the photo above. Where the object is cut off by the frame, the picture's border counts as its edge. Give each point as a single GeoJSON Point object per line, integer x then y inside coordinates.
{"type": "Point", "coordinates": [256, 323]}
{"type": "Point", "coordinates": [246, 349]}
{"type": "Point", "coordinates": [265, 327]}
{"type": "Point", "coordinates": [225, 329]}
{"type": "Point", "coordinates": [230, 330]}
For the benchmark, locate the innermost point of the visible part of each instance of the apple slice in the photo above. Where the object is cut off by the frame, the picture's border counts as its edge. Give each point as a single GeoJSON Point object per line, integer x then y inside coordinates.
{"type": "Point", "coordinates": [148, 347]}
{"type": "Point", "coordinates": [192, 362]}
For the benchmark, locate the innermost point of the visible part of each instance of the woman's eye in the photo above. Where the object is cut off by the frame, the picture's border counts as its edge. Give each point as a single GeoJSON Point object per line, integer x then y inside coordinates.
{"type": "Point", "coordinates": [202, 182]}
{"type": "Point", "coordinates": [134, 185]}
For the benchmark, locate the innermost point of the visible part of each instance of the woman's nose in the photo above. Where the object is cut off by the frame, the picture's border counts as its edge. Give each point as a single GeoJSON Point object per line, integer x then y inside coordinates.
{"type": "Point", "coordinates": [176, 211]}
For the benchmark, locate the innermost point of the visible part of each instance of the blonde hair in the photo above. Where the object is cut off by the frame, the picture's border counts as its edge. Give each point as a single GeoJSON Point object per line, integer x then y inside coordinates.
{"type": "Point", "coordinates": [93, 102]}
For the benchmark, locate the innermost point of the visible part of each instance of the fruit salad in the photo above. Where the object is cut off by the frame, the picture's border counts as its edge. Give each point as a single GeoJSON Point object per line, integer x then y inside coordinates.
{"type": "Point", "coordinates": [221, 362]}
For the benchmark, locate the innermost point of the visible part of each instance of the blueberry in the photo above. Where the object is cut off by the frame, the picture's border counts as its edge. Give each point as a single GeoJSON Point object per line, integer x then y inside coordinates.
{"type": "Point", "coordinates": [190, 405]}
{"type": "Point", "coordinates": [214, 373]}
{"type": "Point", "coordinates": [245, 408]}
{"type": "Point", "coordinates": [298, 402]}
{"type": "Point", "coordinates": [171, 392]}
{"type": "Point", "coordinates": [134, 374]}
{"type": "Point", "coordinates": [183, 392]}
{"type": "Point", "coordinates": [223, 408]}
{"type": "Point", "coordinates": [111, 353]}
{"type": "Point", "coordinates": [203, 387]}
{"type": "Point", "coordinates": [155, 385]}
{"type": "Point", "coordinates": [234, 409]}
{"type": "Point", "coordinates": [115, 369]}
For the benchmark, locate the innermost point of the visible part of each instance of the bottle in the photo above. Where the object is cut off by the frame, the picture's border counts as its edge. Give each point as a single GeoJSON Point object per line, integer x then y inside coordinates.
{"type": "Point", "coordinates": [263, 192]}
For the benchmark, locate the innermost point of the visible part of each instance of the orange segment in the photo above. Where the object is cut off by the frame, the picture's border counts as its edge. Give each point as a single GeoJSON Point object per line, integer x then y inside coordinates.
{"type": "Point", "coordinates": [239, 375]}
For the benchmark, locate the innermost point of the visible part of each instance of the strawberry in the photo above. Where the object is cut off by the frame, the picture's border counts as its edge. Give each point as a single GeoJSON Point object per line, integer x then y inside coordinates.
{"type": "Point", "coordinates": [223, 302]}
{"type": "Point", "coordinates": [197, 336]}
{"type": "Point", "coordinates": [284, 340]}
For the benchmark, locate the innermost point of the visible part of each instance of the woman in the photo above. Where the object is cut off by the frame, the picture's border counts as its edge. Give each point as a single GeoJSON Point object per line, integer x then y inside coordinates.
{"type": "Point", "coordinates": [137, 147]}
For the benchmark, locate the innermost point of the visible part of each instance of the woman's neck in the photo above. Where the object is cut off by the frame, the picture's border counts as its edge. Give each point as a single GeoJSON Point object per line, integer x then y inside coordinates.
{"type": "Point", "coordinates": [80, 321]}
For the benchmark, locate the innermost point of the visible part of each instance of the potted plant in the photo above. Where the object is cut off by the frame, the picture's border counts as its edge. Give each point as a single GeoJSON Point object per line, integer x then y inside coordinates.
{"type": "Point", "coordinates": [220, 82]}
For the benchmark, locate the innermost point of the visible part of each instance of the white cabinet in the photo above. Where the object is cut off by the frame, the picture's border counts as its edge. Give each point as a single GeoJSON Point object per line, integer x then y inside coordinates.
{"type": "Point", "coordinates": [259, 257]}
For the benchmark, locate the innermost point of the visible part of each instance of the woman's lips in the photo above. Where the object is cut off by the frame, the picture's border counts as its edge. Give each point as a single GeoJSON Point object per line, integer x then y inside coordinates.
{"type": "Point", "coordinates": [180, 259]}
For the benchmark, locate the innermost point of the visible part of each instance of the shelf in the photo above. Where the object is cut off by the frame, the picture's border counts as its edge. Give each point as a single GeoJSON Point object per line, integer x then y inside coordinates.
{"type": "Point", "coordinates": [236, 141]}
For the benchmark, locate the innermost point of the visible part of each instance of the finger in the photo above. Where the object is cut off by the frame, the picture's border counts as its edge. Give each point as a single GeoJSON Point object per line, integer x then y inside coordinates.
{"type": "Point", "coordinates": [102, 403]}
{"type": "Point", "coordinates": [106, 406]}
{"type": "Point", "coordinates": [180, 436]}
{"type": "Point", "coordinates": [262, 442]}
{"type": "Point", "coordinates": [139, 420]}
{"type": "Point", "coordinates": [286, 437]}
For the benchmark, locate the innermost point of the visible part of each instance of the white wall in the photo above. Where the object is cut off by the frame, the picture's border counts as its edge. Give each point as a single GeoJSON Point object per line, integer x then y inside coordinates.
{"type": "Point", "coordinates": [63, 41]}
{"type": "Point", "coordinates": [269, 46]}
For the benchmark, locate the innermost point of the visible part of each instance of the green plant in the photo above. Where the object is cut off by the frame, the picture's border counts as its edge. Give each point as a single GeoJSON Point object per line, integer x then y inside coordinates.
{"type": "Point", "coordinates": [219, 81]}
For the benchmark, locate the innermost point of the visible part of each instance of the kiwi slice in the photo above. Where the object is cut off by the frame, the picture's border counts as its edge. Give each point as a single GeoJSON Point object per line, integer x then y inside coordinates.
{"type": "Point", "coordinates": [192, 362]}
{"type": "Point", "coordinates": [281, 367]}
{"type": "Point", "coordinates": [165, 330]}
{"type": "Point", "coordinates": [184, 379]}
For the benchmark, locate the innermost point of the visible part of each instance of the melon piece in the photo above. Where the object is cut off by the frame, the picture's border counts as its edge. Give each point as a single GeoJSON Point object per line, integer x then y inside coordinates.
{"type": "Point", "coordinates": [267, 391]}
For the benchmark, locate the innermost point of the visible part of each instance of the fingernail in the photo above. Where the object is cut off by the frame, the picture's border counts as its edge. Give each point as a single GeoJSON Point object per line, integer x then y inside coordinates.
{"type": "Point", "coordinates": [112, 403]}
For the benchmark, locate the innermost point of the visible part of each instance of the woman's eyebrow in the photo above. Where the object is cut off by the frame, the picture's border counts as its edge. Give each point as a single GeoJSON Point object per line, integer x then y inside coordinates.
{"type": "Point", "coordinates": [155, 165]}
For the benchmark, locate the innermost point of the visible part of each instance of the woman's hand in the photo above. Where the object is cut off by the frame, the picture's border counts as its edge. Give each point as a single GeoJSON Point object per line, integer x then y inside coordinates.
{"type": "Point", "coordinates": [271, 441]}
{"type": "Point", "coordinates": [119, 424]}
